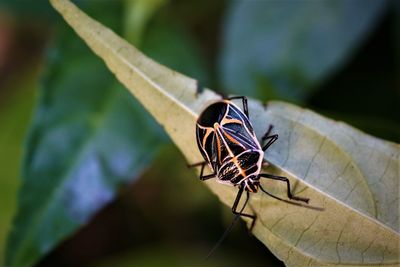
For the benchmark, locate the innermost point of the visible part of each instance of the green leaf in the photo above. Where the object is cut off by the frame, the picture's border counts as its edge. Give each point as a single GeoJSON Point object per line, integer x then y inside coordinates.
{"type": "Point", "coordinates": [353, 176]}
{"type": "Point", "coordinates": [15, 112]}
{"type": "Point", "coordinates": [89, 136]}
{"type": "Point", "coordinates": [284, 49]}
{"type": "Point", "coordinates": [165, 40]}
{"type": "Point", "coordinates": [138, 13]}
{"type": "Point", "coordinates": [40, 9]}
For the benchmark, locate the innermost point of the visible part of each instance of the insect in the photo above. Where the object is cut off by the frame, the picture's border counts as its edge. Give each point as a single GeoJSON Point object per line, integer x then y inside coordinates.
{"type": "Point", "coordinates": [229, 146]}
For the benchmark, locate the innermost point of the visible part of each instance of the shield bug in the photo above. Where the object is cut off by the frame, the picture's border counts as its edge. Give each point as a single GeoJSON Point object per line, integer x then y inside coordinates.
{"type": "Point", "coordinates": [229, 146]}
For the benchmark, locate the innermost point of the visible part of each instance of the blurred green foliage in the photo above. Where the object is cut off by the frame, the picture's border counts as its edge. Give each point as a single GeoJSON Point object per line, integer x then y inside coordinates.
{"type": "Point", "coordinates": [286, 49]}
{"type": "Point", "coordinates": [89, 139]}
{"type": "Point", "coordinates": [15, 110]}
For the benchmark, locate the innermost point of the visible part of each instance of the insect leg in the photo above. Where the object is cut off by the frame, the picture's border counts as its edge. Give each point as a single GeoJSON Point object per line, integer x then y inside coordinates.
{"type": "Point", "coordinates": [196, 164]}
{"type": "Point", "coordinates": [271, 138]}
{"type": "Point", "coordinates": [286, 180]}
{"type": "Point", "coordinates": [240, 213]}
{"type": "Point", "coordinates": [202, 177]}
{"type": "Point", "coordinates": [268, 132]}
{"type": "Point", "coordinates": [244, 102]}
{"type": "Point", "coordinates": [206, 177]}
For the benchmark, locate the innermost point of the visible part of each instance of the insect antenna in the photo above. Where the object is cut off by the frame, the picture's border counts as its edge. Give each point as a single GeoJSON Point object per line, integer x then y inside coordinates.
{"type": "Point", "coordinates": [228, 230]}
{"type": "Point", "coordinates": [290, 201]}
{"type": "Point", "coordinates": [222, 238]}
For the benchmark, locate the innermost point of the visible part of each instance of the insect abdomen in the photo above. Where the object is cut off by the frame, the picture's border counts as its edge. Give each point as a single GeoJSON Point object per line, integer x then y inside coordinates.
{"type": "Point", "coordinates": [238, 168]}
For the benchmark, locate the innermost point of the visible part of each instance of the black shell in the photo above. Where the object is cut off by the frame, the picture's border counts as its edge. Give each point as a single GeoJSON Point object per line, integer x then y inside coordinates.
{"type": "Point", "coordinates": [227, 142]}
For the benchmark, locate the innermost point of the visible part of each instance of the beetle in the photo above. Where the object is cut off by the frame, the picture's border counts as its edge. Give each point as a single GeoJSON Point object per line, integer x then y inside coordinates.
{"type": "Point", "coordinates": [229, 146]}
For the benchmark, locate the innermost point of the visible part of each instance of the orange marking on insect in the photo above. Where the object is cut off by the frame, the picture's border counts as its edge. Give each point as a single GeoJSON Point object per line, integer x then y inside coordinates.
{"type": "Point", "coordinates": [236, 162]}
{"type": "Point", "coordinates": [220, 134]}
{"type": "Point", "coordinates": [249, 188]}
{"type": "Point", "coordinates": [226, 121]}
{"type": "Point", "coordinates": [208, 132]}
{"type": "Point", "coordinates": [216, 126]}
{"type": "Point", "coordinates": [233, 140]}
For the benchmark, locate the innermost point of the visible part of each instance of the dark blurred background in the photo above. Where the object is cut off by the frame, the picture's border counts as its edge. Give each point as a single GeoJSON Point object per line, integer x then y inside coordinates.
{"type": "Point", "coordinates": [63, 115]}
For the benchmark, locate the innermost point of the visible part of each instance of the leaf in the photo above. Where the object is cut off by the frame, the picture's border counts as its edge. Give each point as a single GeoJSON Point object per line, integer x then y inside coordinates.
{"type": "Point", "coordinates": [353, 176]}
{"type": "Point", "coordinates": [89, 136]}
{"type": "Point", "coordinates": [138, 14]}
{"type": "Point", "coordinates": [15, 112]}
{"type": "Point", "coordinates": [165, 40]}
{"type": "Point", "coordinates": [85, 138]}
{"type": "Point", "coordinates": [38, 10]}
{"type": "Point", "coordinates": [291, 46]}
